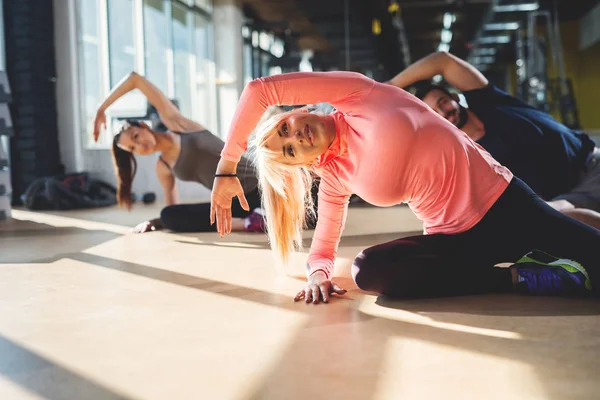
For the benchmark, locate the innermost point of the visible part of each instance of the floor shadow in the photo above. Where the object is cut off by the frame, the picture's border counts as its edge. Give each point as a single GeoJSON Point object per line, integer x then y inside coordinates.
{"type": "Point", "coordinates": [328, 358]}
{"type": "Point", "coordinates": [37, 232]}
{"type": "Point", "coordinates": [372, 239]}
{"type": "Point", "coordinates": [363, 204]}
{"type": "Point", "coordinates": [47, 379]}
{"type": "Point", "coordinates": [346, 241]}
{"type": "Point", "coordinates": [509, 304]}
{"type": "Point", "coordinates": [229, 244]}
{"type": "Point", "coordinates": [180, 279]}
{"type": "Point", "coordinates": [26, 241]}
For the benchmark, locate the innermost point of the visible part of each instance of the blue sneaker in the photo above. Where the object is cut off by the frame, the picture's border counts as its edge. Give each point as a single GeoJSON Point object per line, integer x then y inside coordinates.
{"type": "Point", "coordinates": [541, 274]}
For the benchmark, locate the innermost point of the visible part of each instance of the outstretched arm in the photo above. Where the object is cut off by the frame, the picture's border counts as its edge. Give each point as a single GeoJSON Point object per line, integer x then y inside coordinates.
{"type": "Point", "coordinates": [169, 114]}
{"type": "Point", "coordinates": [332, 211]}
{"type": "Point", "coordinates": [457, 72]}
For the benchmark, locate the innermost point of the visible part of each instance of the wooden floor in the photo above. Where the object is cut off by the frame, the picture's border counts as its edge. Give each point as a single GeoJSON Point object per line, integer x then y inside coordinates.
{"type": "Point", "coordinates": [89, 311]}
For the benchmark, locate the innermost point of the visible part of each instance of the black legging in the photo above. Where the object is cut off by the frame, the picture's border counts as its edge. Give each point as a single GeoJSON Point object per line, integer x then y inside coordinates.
{"type": "Point", "coordinates": [463, 263]}
{"type": "Point", "coordinates": [196, 217]}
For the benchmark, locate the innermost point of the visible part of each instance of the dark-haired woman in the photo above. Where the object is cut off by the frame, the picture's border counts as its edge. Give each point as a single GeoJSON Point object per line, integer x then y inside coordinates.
{"type": "Point", "coordinates": [188, 151]}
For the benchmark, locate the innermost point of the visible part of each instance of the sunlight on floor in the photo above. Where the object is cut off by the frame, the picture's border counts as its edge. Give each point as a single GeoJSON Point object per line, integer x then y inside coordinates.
{"type": "Point", "coordinates": [11, 390]}
{"type": "Point", "coordinates": [61, 221]}
{"type": "Point", "coordinates": [411, 369]}
{"type": "Point", "coordinates": [368, 306]}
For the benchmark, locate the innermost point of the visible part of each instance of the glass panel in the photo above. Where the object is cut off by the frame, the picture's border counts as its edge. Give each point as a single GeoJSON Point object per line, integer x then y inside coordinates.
{"type": "Point", "coordinates": [275, 70]}
{"type": "Point", "coordinates": [256, 67]}
{"type": "Point", "coordinates": [265, 58]}
{"type": "Point", "coordinates": [182, 48]}
{"type": "Point", "coordinates": [247, 63]}
{"type": "Point", "coordinates": [277, 47]}
{"type": "Point", "coordinates": [205, 108]}
{"type": "Point", "coordinates": [121, 39]}
{"type": "Point", "coordinates": [156, 46]}
{"type": "Point", "coordinates": [89, 62]}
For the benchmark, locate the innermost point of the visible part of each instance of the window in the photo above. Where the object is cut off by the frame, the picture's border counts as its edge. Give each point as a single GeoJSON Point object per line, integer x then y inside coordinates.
{"type": "Point", "coordinates": [121, 39]}
{"type": "Point", "coordinates": [277, 48]}
{"type": "Point", "coordinates": [156, 43]}
{"type": "Point", "coordinates": [259, 51]}
{"type": "Point", "coordinates": [265, 40]}
{"type": "Point", "coordinates": [265, 60]}
{"type": "Point", "coordinates": [275, 70]}
{"type": "Point", "coordinates": [169, 42]}
{"type": "Point", "coordinates": [182, 47]}
{"type": "Point", "coordinates": [90, 56]}
{"type": "Point", "coordinates": [247, 57]}
{"type": "Point", "coordinates": [204, 105]}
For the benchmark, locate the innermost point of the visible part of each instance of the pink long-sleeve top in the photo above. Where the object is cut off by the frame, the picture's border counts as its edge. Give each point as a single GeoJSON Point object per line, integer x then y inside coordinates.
{"type": "Point", "coordinates": [390, 148]}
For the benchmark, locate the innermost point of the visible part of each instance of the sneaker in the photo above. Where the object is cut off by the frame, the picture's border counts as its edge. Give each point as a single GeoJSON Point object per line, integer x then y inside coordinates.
{"type": "Point", "coordinates": [255, 222]}
{"type": "Point", "coordinates": [541, 274]}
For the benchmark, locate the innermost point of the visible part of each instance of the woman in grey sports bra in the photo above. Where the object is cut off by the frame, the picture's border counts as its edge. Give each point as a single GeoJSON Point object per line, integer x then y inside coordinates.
{"type": "Point", "coordinates": [188, 151]}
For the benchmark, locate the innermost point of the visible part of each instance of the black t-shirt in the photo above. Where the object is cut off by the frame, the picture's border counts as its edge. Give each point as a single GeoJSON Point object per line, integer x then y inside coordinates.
{"type": "Point", "coordinates": [544, 153]}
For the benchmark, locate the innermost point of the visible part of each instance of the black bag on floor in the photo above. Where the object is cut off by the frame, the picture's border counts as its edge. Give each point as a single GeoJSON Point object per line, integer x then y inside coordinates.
{"type": "Point", "coordinates": [68, 192]}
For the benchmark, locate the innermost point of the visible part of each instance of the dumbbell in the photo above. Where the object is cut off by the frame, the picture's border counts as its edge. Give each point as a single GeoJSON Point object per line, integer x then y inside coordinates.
{"type": "Point", "coordinates": [147, 198]}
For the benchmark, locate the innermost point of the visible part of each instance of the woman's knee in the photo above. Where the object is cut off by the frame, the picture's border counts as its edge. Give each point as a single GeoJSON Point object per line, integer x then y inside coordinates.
{"type": "Point", "coordinates": [385, 268]}
{"type": "Point", "coordinates": [365, 270]}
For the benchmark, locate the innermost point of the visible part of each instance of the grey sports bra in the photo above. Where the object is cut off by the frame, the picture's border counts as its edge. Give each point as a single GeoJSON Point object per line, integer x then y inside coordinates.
{"type": "Point", "coordinates": [200, 153]}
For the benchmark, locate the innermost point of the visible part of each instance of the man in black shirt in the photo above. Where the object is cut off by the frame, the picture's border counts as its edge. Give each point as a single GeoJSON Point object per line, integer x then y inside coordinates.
{"type": "Point", "coordinates": [561, 165]}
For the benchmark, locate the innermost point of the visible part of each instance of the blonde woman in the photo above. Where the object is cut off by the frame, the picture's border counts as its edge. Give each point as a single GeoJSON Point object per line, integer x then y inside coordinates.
{"type": "Point", "coordinates": [388, 147]}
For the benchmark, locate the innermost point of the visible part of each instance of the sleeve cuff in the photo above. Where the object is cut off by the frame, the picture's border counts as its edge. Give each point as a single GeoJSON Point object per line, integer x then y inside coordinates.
{"type": "Point", "coordinates": [320, 265]}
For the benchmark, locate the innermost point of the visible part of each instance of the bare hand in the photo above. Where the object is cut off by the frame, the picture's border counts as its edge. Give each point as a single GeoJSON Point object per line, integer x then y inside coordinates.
{"type": "Point", "coordinates": [224, 190]}
{"type": "Point", "coordinates": [145, 226]}
{"type": "Point", "coordinates": [319, 288]}
{"type": "Point", "coordinates": [99, 124]}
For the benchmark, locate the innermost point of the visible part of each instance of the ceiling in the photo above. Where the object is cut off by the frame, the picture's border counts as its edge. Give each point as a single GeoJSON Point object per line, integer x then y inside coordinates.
{"type": "Point", "coordinates": [330, 27]}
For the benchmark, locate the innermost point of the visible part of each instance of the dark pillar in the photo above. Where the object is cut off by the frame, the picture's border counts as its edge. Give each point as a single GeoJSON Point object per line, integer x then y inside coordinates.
{"type": "Point", "coordinates": [30, 64]}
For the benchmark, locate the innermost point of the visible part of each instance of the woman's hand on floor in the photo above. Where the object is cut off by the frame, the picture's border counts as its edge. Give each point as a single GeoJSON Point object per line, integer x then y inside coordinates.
{"type": "Point", "coordinates": [319, 288]}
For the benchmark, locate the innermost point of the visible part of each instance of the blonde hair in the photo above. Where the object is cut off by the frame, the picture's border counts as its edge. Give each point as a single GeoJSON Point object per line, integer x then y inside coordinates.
{"type": "Point", "coordinates": [285, 190]}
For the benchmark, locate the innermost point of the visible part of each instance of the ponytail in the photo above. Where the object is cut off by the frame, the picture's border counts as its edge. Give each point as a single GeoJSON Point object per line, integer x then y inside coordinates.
{"type": "Point", "coordinates": [125, 168]}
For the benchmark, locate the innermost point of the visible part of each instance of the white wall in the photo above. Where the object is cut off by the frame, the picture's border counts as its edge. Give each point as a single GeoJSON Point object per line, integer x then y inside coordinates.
{"type": "Point", "coordinates": [75, 153]}
{"type": "Point", "coordinates": [67, 95]}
